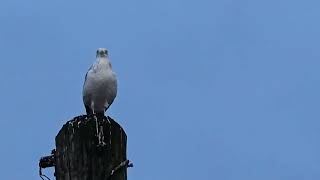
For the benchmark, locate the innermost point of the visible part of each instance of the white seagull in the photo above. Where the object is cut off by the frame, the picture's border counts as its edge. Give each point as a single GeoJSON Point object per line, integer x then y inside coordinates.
{"type": "Point", "coordinates": [100, 85]}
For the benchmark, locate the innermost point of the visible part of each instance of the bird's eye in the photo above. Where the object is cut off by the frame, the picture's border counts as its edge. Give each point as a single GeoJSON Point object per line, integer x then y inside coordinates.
{"type": "Point", "coordinates": [105, 51]}
{"type": "Point", "coordinates": [97, 51]}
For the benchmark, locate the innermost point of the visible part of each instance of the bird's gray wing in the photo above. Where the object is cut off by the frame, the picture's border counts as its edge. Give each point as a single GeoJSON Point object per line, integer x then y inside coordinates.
{"type": "Point", "coordinates": [85, 77]}
{"type": "Point", "coordinates": [112, 91]}
{"type": "Point", "coordinates": [85, 95]}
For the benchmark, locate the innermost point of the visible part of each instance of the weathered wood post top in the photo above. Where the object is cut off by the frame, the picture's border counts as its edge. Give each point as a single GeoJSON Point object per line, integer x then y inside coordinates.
{"type": "Point", "coordinates": [91, 148]}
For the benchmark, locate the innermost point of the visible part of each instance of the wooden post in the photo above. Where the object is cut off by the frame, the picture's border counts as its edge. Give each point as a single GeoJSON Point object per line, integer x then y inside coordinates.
{"type": "Point", "coordinates": [80, 156]}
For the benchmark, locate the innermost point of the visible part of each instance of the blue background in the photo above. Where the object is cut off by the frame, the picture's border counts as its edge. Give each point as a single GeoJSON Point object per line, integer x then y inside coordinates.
{"type": "Point", "coordinates": [208, 89]}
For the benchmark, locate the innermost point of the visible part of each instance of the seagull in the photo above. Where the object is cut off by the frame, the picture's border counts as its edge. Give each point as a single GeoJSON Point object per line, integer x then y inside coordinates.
{"type": "Point", "coordinates": [100, 85]}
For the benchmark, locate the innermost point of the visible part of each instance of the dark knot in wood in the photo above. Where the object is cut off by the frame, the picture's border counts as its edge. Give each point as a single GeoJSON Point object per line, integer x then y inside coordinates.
{"type": "Point", "coordinates": [48, 161]}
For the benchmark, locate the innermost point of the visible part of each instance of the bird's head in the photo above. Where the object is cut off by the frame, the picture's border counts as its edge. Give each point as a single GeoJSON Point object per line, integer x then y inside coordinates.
{"type": "Point", "coordinates": [102, 52]}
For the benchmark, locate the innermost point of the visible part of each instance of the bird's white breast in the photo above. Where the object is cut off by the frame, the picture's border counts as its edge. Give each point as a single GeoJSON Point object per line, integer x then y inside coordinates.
{"type": "Point", "coordinates": [100, 87]}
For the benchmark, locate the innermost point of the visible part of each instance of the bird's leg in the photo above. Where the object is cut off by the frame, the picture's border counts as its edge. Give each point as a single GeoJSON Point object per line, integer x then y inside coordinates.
{"type": "Point", "coordinates": [95, 117]}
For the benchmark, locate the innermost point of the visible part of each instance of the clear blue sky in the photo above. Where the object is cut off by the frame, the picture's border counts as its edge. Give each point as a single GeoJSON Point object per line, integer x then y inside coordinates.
{"type": "Point", "coordinates": [222, 89]}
